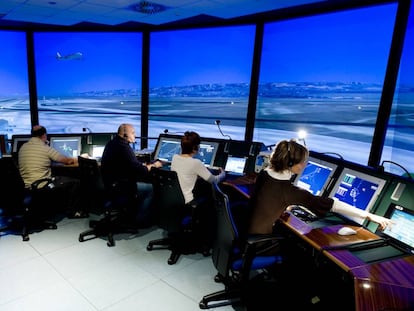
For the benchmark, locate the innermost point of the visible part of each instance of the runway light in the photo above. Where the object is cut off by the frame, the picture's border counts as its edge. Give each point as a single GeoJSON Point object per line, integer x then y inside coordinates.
{"type": "Point", "coordinates": [301, 136]}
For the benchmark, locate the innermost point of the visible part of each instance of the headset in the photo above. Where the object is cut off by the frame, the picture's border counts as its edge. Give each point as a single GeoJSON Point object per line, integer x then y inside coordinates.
{"type": "Point", "coordinates": [124, 131]}
{"type": "Point", "coordinates": [289, 158]}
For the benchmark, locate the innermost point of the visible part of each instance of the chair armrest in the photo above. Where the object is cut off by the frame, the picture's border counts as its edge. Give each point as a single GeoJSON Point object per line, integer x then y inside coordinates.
{"type": "Point", "coordinates": [262, 244]}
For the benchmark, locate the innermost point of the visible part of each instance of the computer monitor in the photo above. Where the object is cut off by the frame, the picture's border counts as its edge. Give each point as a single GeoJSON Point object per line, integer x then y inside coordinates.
{"type": "Point", "coordinates": [207, 152]}
{"type": "Point", "coordinates": [401, 231]}
{"type": "Point", "coordinates": [166, 148]}
{"type": "Point", "coordinates": [357, 189]}
{"type": "Point", "coordinates": [69, 146]}
{"type": "Point", "coordinates": [18, 142]}
{"type": "Point", "coordinates": [316, 176]}
{"type": "Point", "coordinates": [235, 165]}
{"type": "Point", "coordinates": [96, 151]}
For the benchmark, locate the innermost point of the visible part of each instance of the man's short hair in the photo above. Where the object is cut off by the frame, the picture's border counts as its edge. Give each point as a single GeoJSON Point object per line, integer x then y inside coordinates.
{"type": "Point", "coordinates": [38, 131]}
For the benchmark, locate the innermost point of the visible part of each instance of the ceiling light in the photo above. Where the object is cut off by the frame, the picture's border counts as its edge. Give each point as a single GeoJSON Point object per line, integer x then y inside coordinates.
{"type": "Point", "coordinates": [147, 7]}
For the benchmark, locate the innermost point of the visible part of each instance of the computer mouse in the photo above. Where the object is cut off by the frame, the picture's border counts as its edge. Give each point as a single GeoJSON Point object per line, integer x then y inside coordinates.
{"type": "Point", "coordinates": [346, 231]}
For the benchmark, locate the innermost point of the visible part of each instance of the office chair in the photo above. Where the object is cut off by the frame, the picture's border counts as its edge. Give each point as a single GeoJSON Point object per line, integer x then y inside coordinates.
{"type": "Point", "coordinates": [117, 200]}
{"type": "Point", "coordinates": [179, 220]}
{"type": "Point", "coordinates": [91, 184]}
{"type": "Point", "coordinates": [23, 208]}
{"type": "Point", "coordinates": [236, 256]}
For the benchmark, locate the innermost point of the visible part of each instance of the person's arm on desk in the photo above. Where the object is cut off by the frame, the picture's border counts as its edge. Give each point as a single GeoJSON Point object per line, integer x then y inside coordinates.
{"type": "Point", "coordinates": [345, 209]}
{"type": "Point", "coordinates": [156, 164]}
{"type": "Point", "coordinates": [66, 160]}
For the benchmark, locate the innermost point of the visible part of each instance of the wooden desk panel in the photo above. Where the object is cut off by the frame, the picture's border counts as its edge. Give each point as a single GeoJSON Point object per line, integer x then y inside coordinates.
{"type": "Point", "coordinates": [385, 286]}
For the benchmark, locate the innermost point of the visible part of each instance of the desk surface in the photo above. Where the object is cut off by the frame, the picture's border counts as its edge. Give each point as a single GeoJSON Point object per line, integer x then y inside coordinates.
{"type": "Point", "coordinates": [387, 285]}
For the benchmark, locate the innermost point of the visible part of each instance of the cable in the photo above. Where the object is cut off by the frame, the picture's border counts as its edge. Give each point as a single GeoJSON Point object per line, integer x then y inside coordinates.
{"type": "Point", "coordinates": [333, 153]}
{"type": "Point", "coordinates": [217, 122]}
{"type": "Point", "coordinates": [381, 167]}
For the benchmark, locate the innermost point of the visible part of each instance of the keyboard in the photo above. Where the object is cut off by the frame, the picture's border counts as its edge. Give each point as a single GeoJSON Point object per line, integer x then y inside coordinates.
{"type": "Point", "coordinates": [359, 246]}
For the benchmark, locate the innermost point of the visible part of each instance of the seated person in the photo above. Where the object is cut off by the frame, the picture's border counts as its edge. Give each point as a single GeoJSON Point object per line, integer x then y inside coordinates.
{"type": "Point", "coordinates": [35, 158]}
{"type": "Point", "coordinates": [274, 192]}
{"type": "Point", "coordinates": [119, 164]}
{"type": "Point", "coordinates": [189, 168]}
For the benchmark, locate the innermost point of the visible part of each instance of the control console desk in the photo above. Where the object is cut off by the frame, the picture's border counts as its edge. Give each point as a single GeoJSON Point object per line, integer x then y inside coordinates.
{"type": "Point", "coordinates": [381, 285]}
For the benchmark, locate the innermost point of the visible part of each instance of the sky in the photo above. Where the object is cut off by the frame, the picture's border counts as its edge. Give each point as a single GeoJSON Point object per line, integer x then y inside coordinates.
{"type": "Point", "coordinates": [341, 46]}
{"type": "Point", "coordinates": [13, 64]}
{"type": "Point", "coordinates": [109, 61]}
{"type": "Point", "coordinates": [337, 47]}
{"type": "Point", "coordinates": [212, 55]}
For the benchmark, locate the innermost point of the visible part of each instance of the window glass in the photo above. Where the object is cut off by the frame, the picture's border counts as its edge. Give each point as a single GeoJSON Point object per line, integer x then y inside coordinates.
{"type": "Point", "coordinates": [324, 74]}
{"type": "Point", "coordinates": [14, 86]}
{"type": "Point", "coordinates": [399, 143]}
{"type": "Point", "coordinates": [198, 76]}
{"type": "Point", "coordinates": [88, 82]}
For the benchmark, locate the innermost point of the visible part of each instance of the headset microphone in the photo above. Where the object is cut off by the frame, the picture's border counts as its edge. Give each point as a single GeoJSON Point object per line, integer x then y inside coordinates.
{"type": "Point", "coordinates": [289, 158]}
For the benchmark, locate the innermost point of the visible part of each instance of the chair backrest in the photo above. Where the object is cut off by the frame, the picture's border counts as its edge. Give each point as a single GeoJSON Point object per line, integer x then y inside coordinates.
{"type": "Point", "coordinates": [227, 236]}
{"type": "Point", "coordinates": [12, 189]}
{"type": "Point", "coordinates": [90, 172]}
{"type": "Point", "coordinates": [168, 199]}
{"type": "Point", "coordinates": [91, 183]}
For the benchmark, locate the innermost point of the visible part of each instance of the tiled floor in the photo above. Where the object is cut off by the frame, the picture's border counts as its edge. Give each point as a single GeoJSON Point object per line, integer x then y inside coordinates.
{"type": "Point", "coordinates": [54, 271]}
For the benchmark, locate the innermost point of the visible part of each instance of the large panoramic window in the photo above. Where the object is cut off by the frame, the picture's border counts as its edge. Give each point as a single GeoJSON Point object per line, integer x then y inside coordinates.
{"type": "Point", "coordinates": [14, 86]}
{"type": "Point", "coordinates": [324, 74]}
{"type": "Point", "coordinates": [399, 144]}
{"type": "Point", "coordinates": [88, 82]}
{"type": "Point", "coordinates": [199, 76]}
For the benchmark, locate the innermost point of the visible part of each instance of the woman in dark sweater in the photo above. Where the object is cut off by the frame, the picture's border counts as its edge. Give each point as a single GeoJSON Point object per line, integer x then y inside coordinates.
{"type": "Point", "coordinates": [274, 192]}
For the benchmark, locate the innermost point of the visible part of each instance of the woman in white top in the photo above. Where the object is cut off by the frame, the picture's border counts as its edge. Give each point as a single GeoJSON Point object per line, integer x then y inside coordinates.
{"type": "Point", "coordinates": [189, 168]}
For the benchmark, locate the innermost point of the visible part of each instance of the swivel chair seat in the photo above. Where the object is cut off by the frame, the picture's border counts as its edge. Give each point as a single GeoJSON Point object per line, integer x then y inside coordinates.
{"type": "Point", "coordinates": [23, 208]}
{"type": "Point", "coordinates": [180, 221]}
{"type": "Point", "coordinates": [117, 199]}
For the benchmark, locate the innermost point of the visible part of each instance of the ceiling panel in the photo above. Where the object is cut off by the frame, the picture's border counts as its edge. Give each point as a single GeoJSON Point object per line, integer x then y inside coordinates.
{"type": "Point", "coordinates": [116, 12]}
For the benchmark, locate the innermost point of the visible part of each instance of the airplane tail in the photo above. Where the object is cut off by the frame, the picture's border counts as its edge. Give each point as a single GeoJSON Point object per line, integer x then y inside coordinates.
{"type": "Point", "coordinates": [58, 56]}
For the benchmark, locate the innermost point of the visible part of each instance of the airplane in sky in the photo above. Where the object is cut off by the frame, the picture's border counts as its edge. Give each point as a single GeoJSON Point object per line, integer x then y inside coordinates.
{"type": "Point", "coordinates": [77, 55]}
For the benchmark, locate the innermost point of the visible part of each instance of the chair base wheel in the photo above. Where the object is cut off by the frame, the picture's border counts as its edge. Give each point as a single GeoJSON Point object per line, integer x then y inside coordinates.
{"type": "Point", "coordinates": [202, 305]}
{"type": "Point", "coordinates": [173, 258]}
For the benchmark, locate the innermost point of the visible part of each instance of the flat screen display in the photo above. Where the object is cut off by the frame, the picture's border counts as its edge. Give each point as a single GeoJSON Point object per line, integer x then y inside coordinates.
{"type": "Point", "coordinates": [402, 230]}
{"type": "Point", "coordinates": [235, 165]}
{"type": "Point", "coordinates": [207, 152]}
{"type": "Point", "coordinates": [68, 146]}
{"type": "Point", "coordinates": [97, 151]}
{"type": "Point", "coordinates": [18, 142]}
{"type": "Point", "coordinates": [166, 148]}
{"type": "Point", "coordinates": [357, 189]}
{"type": "Point", "coordinates": [316, 176]}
